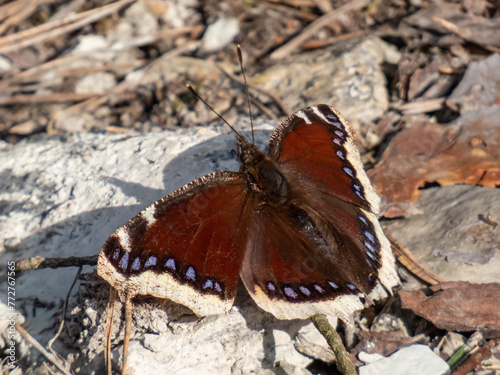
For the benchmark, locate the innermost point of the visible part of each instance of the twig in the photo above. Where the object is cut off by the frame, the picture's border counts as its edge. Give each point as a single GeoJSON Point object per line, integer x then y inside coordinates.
{"type": "Point", "coordinates": [407, 259]}
{"type": "Point", "coordinates": [50, 98]}
{"type": "Point", "coordinates": [35, 263]}
{"type": "Point", "coordinates": [264, 109]}
{"type": "Point", "coordinates": [292, 11]}
{"type": "Point", "coordinates": [332, 337]}
{"type": "Point", "coordinates": [315, 26]}
{"type": "Point", "coordinates": [127, 86]}
{"type": "Point", "coordinates": [63, 318]}
{"type": "Point", "coordinates": [21, 11]}
{"type": "Point", "coordinates": [56, 28]}
{"type": "Point", "coordinates": [50, 357]}
{"type": "Point", "coordinates": [322, 43]}
{"type": "Point", "coordinates": [109, 329]}
{"type": "Point", "coordinates": [296, 3]}
{"type": "Point", "coordinates": [61, 63]}
{"type": "Point", "coordinates": [12, 84]}
{"type": "Point", "coordinates": [475, 359]}
{"type": "Point", "coordinates": [423, 106]}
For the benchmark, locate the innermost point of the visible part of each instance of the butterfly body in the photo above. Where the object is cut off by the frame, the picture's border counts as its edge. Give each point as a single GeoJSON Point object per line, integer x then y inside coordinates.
{"type": "Point", "coordinates": [297, 224]}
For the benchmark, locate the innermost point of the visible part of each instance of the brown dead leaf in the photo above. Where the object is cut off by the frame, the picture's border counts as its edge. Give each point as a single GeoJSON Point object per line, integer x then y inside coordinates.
{"type": "Point", "coordinates": [467, 152]}
{"type": "Point", "coordinates": [428, 81]}
{"type": "Point", "coordinates": [479, 30]}
{"type": "Point", "coordinates": [458, 306]}
{"type": "Point", "coordinates": [443, 17]}
{"type": "Point", "coordinates": [385, 342]}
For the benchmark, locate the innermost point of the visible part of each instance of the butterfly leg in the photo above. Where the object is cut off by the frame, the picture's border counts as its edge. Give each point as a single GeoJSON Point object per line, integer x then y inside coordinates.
{"type": "Point", "coordinates": [109, 328]}
{"type": "Point", "coordinates": [128, 326]}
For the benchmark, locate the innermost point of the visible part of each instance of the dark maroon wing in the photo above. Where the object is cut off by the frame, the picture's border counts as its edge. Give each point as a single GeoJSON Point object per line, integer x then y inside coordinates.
{"type": "Point", "coordinates": [186, 247]}
{"type": "Point", "coordinates": [300, 262]}
{"type": "Point", "coordinates": [325, 251]}
{"type": "Point", "coordinates": [315, 146]}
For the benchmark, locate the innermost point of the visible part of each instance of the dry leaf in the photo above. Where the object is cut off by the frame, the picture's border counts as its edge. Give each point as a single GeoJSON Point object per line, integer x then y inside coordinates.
{"type": "Point", "coordinates": [458, 306]}
{"type": "Point", "coordinates": [467, 152]}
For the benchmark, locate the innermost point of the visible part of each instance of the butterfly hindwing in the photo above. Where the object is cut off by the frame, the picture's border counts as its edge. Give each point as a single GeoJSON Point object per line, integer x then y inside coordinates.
{"type": "Point", "coordinates": [304, 263]}
{"type": "Point", "coordinates": [185, 247]}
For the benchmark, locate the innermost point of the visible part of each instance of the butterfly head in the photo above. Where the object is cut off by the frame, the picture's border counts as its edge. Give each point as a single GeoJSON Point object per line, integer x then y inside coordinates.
{"type": "Point", "coordinates": [263, 176]}
{"type": "Point", "coordinates": [248, 153]}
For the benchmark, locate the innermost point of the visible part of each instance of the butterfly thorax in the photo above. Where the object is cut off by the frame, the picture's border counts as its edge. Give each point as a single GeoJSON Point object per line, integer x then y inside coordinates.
{"type": "Point", "coordinates": [263, 175]}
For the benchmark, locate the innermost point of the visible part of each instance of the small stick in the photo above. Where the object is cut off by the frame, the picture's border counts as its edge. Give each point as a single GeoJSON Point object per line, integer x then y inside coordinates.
{"type": "Point", "coordinates": [65, 306]}
{"type": "Point", "coordinates": [35, 263]}
{"type": "Point", "coordinates": [53, 29]}
{"type": "Point", "coordinates": [50, 357]}
{"type": "Point", "coordinates": [126, 340]}
{"type": "Point", "coordinates": [407, 259]}
{"type": "Point", "coordinates": [335, 341]}
{"type": "Point", "coordinates": [109, 329]}
{"type": "Point", "coordinates": [475, 360]}
{"type": "Point", "coordinates": [49, 98]}
{"type": "Point", "coordinates": [315, 26]}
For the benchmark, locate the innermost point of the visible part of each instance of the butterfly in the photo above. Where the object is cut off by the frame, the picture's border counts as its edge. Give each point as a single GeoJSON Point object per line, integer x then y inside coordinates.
{"type": "Point", "coordinates": [297, 224]}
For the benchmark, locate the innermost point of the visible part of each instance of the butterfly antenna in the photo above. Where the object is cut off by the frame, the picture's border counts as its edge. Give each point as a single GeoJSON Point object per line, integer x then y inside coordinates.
{"type": "Point", "coordinates": [238, 135]}
{"type": "Point", "coordinates": [240, 59]}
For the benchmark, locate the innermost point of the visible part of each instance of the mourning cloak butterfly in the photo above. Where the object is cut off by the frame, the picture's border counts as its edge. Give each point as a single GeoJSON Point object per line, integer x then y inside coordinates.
{"type": "Point", "coordinates": [297, 224]}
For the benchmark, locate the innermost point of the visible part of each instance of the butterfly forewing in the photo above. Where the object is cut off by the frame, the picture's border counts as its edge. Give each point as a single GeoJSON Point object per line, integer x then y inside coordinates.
{"type": "Point", "coordinates": [315, 147]}
{"type": "Point", "coordinates": [185, 247]}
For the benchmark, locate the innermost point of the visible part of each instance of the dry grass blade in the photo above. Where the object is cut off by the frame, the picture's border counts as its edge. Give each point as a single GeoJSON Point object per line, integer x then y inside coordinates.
{"type": "Point", "coordinates": [127, 86]}
{"type": "Point", "coordinates": [422, 106]}
{"type": "Point", "coordinates": [19, 11]}
{"type": "Point", "coordinates": [51, 98]}
{"type": "Point", "coordinates": [292, 11]}
{"type": "Point", "coordinates": [406, 258]}
{"type": "Point", "coordinates": [63, 317]}
{"type": "Point", "coordinates": [315, 26]}
{"type": "Point", "coordinates": [53, 29]}
{"type": "Point", "coordinates": [50, 357]}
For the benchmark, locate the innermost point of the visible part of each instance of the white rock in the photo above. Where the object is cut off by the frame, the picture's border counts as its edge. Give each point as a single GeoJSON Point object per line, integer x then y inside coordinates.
{"type": "Point", "coordinates": [412, 360]}
{"type": "Point", "coordinates": [369, 357]}
{"type": "Point", "coordinates": [138, 21]}
{"type": "Point", "coordinates": [179, 12]}
{"type": "Point", "coordinates": [5, 65]}
{"type": "Point", "coordinates": [220, 33]}
{"type": "Point", "coordinates": [89, 43]}
{"type": "Point", "coordinates": [96, 83]}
